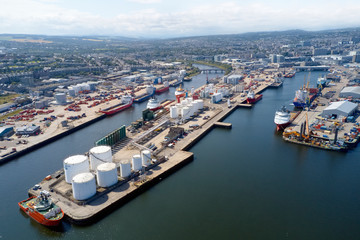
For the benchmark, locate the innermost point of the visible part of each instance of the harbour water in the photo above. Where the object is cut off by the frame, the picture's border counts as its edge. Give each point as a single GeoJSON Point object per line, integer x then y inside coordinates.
{"type": "Point", "coordinates": [245, 183]}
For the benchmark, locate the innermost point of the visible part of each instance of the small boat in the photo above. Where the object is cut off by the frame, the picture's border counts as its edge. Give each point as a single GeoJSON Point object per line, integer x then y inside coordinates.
{"type": "Point", "coordinates": [252, 97]}
{"type": "Point", "coordinates": [289, 75]}
{"type": "Point", "coordinates": [277, 83]}
{"type": "Point", "coordinates": [187, 79]}
{"type": "Point", "coordinates": [126, 102]}
{"type": "Point", "coordinates": [42, 209]}
{"type": "Point", "coordinates": [153, 104]}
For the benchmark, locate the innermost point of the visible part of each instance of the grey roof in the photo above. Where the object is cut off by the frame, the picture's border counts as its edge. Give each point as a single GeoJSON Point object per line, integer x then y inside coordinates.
{"type": "Point", "coordinates": [343, 106]}
{"type": "Point", "coordinates": [351, 90]}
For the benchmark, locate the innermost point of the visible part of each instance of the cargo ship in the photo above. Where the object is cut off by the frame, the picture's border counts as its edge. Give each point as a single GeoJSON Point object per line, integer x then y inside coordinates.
{"type": "Point", "coordinates": [304, 97]}
{"type": "Point", "coordinates": [252, 97]}
{"type": "Point", "coordinates": [42, 209]}
{"type": "Point", "coordinates": [150, 91]}
{"type": "Point", "coordinates": [126, 102]}
{"type": "Point", "coordinates": [153, 104]}
{"type": "Point", "coordinates": [163, 88]}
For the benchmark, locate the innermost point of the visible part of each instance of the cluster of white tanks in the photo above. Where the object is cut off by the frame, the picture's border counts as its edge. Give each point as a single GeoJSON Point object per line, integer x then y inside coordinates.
{"type": "Point", "coordinates": [80, 170]}
{"type": "Point", "coordinates": [188, 107]}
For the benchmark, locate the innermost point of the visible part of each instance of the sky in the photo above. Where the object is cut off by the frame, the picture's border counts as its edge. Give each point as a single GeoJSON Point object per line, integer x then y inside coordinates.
{"type": "Point", "coordinates": [173, 18]}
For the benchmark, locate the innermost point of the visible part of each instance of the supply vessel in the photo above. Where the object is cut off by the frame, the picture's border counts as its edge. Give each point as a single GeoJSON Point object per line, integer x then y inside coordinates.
{"type": "Point", "coordinates": [42, 209]}
{"type": "Point", "coordinates": [252, 97]}
{"type": "Point", "coordinates": [153, 104]}
{"type": "Point", "coordinates": [126, 102]}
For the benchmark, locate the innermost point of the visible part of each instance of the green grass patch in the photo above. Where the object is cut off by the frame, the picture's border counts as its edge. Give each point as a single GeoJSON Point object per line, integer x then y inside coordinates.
{"type": "Point", "coordinates": [8, 98]}
{"type": "Point", "coordinates": [2, 118]}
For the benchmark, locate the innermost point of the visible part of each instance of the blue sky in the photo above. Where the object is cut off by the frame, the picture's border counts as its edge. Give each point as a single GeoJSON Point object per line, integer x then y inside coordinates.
{"type": "Point", "coordinates": [173, 18]}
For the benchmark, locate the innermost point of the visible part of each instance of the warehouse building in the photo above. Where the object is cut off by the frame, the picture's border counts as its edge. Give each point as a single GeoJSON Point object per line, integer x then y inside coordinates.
{"type": "Point", "coordinates": [341, 108]}
{"type": "Point", "coordinates": [6, 132]}
{"type": "Point", "coordinates": [353, 92]}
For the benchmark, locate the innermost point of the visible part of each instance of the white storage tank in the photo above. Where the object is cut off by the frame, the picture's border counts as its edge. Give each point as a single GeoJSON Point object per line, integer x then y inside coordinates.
{"type": "Point", "coordinates": [191, 109]}
{"type": "Point", "coordinates": [106, 174]}
{"type": "Point", "coordinates": [200, 103]}
{"type": "Point", "coordinates": [72, 92]}
{"type": "Point", "coordinates": [173, 112]}
{"type": "Point", "coordinates": [125, 169]}
{"type": "Point", "coordinates": [83, 186]}
{"type": "Point", "coordinates": [185, 113]}
{"type": "Point", "coordinates": [60, 98]}
{"type": "Point", "coordinates": [146, 157]}
{"type": "Point", "coordinates": [136, 162]}
{"type": "Point", "coordinates": [99, 155]}
{"type": "Point", "coordinates": [74, 165]}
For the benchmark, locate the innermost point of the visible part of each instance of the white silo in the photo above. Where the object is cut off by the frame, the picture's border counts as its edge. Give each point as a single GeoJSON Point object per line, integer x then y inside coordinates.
{"type": "Point", "coordinates": [74, 165]}
{"type": "Point", "coordinates": [196, 106]}
{"type": "Point", "coordinates": [72, 92]}
{"type": "Point", "coordinates": [106, 174]}
{"type": "Point", "coordinates": [185, 113]}
{"type": "Point", "coordinates": [173, 112]}
{"type": "Point", "coordinates": [184, 102]}
{"type": "Point", "coordinates": [178, 109]}
{"type": "Point", "coordinates": [76, 89]}
{"type": "Point", "coordinates": [146, 157]}
{"type": "Point", "coordinates": [191, 109]}
{"type": "Point", "coordinates": [189, 100]}
{"type": "Point", "coordinates": [83, 186]}
{"type": "Point", "coordinates": [201, 103]}
{"type": "Point", "coordinates": [136, 162]}
{"type": "Point", "coordinates": [125, 169]}
{"type": "Point", "coordinates": [99, 155]}
{"type": "Point", "coordinates": [60, 98]}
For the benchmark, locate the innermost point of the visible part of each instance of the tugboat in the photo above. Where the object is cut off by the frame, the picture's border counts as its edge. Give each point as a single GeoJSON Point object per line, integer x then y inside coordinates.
{"type": "Point", "coordinates": [153, 104]}
{"type": "Point", "coordinates": [42, 209]}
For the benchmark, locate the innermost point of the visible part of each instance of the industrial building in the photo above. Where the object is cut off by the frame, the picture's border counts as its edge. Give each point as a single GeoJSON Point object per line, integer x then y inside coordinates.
{"type": "Point", "coordinates": [341, 108]}
{"type": "Point", "coordinates": [353, 92]}
{"type": "Point", "coordinates": [6, 132]}
{"type": "Point", "coordinates": [28, 130]}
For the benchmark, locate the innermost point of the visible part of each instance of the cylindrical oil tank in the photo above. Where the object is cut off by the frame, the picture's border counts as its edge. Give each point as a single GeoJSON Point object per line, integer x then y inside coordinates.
{"type": "Point", "coordinates": [173, 112]}
{"type": "Point", "coordinates": [201, 103]}
{"type": "Point", "coordinates": [191, 109]}
{"type": "Point", "coordinates": [184, 102]}
{"type": "Point", "coordinates": [146, 157]}
{"type": "Point", "coordinates": [178, 109]}
{"type": "Point", "coordinates": [99, 155]}
{"type": "Point", "coordinates": [83, 186]}
{"type": "Point", "coordinates": [185, 113]}
{"type": "Point", "coordinates": [106, 174]}
{"type": "Point", "coordinates": [72, 92]}
{"type": "Point", "coordinates": [136, 162]}
{"type": "Point", "coordinates": [74, 165]}
{"type": "Point", "coordinates": [60, 98]}
{"type": "Point", "coordinates": [125, 169]}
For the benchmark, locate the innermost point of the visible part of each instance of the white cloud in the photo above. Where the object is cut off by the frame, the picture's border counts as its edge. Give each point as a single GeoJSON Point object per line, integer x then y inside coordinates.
{"type": "Point", "coordinates": [47, 17]}
{"type": "Point", "coordinates": [145, 1]}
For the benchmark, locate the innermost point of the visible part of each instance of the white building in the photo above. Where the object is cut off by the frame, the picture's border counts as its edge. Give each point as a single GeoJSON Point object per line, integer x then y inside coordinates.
{"type": "Point", "coordinates": [342, 108]}
{"type": "Point", "coordinates": [350, 92]}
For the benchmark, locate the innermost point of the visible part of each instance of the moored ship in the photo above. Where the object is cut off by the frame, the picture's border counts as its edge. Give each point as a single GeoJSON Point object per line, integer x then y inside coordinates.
{"type": "Point", "coordinates": [282, 119]}
{"type": "Point", "coordinates": [150, 91]}
{"type": "Point", "coordinates": [252, 97]}
{"type": "Point", "coordinates": [289, 75]}
{"type": "Point", "coordinates": [163, 88]}
{"type": "Point", "coordinates": [323, 81]}
{"type": "Point", "coordinates": [42, 209]}
{"type": "Point", "coordinates": [278, 82]}
{"type": "Point", "coordinates": [126, 102]}
{"type": "Point", "coordinates": [304, 97]}
{"type": "Point", "coordinates": [153, 104]}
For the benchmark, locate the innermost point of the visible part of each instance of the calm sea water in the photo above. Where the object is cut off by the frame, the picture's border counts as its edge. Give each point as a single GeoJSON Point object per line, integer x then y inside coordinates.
{"type": "Point", "coordinates": [245, 183]}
